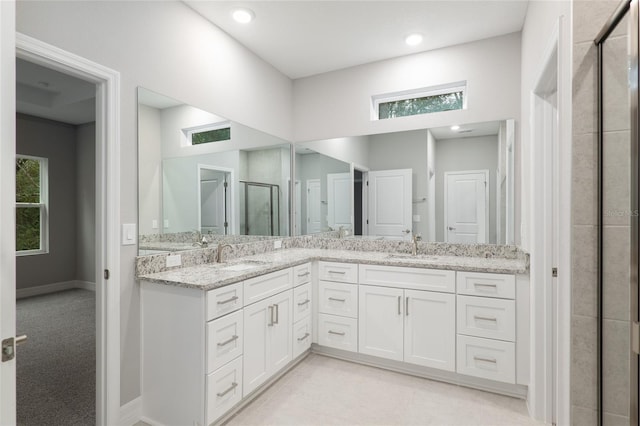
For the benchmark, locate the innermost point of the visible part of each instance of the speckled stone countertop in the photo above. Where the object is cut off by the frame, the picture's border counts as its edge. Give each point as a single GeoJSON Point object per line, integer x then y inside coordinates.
{"type": "Point", "coordinates": [213, 275]}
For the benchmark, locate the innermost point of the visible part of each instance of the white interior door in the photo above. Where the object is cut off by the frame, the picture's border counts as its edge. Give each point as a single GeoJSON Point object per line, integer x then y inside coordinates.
{"type": "Point", "coordinates": [339, 199]}
{"type": "Point", "coordinates": [313, 206]}
{"type": "Point", "coordinates": [7, 206]}
{"type": "Point", "coordinates": [213, 202]}
{"type": "Point", "coordinates": [466, 215]}
{"type": "Point", "coordinates": [390, 203]}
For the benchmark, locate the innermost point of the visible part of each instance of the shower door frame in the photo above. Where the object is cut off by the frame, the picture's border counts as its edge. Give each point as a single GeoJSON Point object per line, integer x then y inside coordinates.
{"type": "Point", "coordinates": [631, 7]}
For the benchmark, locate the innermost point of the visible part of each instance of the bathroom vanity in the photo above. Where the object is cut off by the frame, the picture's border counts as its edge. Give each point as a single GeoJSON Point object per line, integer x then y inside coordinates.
{"type": "Point", "coordinates": [215, 335]}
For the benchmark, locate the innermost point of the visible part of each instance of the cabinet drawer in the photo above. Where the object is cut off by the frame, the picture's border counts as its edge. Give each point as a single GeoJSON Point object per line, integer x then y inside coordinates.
{"type": "Point", "coordinates": [338, 299]}
{"type": "Point", "coordinates": [301, 336]}
{"type": "Point", "coordinates": [412, 278]}
{"type": "Point", "coordinates": [338, 332]}
{"type": "Point", "coordinates": [301, 274]}
{"type": "Point", "coordinates": [301, 302]}
{"type": "Point", "coordinates": [484, 284]}
{"type": "Point", "coordinates": [224, 389]}
{"type": "Point", "coordinates": [487, 317]}
{"type": "Point", "coordinates": [223, 300]}
{"type": "Point", "coordinates": [489, 359]}
{"type": "Point", "coordinates": [224, 340]}
{"type": "Point", "coordinates": [267, 285]}
{"type": "Point", "coordinates": [339, 272]}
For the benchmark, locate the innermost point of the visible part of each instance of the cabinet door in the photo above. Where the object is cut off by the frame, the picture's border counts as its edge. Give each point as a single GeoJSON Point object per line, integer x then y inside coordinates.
{"type": "Point", "coordinates": [257, 320]}
{"type": "Point", "coordinates": [380, 322]}
{"type": "Point", "coordinates": [430, 329]}
{"type": "Point", "coordinates": [280, 339]}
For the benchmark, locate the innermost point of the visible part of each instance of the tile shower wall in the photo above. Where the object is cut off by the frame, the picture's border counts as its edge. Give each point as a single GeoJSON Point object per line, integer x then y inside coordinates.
{"type": "Point", "coordinates": [588, 19]}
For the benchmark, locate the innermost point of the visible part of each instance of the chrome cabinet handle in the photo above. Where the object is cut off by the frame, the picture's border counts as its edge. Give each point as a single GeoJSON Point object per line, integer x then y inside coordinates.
{"type": "Point", "coordinates": [399, 305]}
{"type": "Point", "coordinates": [478, 317]}
{"type": "Point", "coordinates": [339, 333]}
{"type": "Point", "coordinates": [229, 340]}
{"type": "Point", "coordinates": [491, 360]}
{"type": "Point", "coordinates": [338, 272]}
{"type": "Point", "coordinates": [277, 313]}
{"type": "Point", "coordinates": [270, 316]}
{"type": "Point", "coordinates": [337, 300]}
{"type": "Point", "coordinates": [304, 303]}
{"type": "Point", "coordinates": [224, 302]}
{"type": "Point", "coordinates": [300, 339]}
{"type": "Point", "coordinates": [233, 386]}
{"type": "Point", "coordinates": [485, 285]}
{"type": "Point", "coordinates": [305, 274]}
{"type": "Point", "coordinates": [407, 231]}
{"type": "Point", "coordinates": [406, 306]}
{"type": "Point", "coordinates": [451, 228]}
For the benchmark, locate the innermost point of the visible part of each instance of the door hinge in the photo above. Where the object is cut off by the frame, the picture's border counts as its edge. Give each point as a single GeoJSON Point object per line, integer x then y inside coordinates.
{"type": "Point", "coordinates": [635, 337]}
{"type": "Point", "coordinates": [554, 272]}
{"type": "Point", "coordinates": [367, 183]}
{"type": "Point", "coordinates": [226, 224]}
{"type": "Point", "coordinates": [367, 221]}
{"type": "Point", "coordinates": [106, 274]}
{"type": "Point", "coordinates": [226, 185]}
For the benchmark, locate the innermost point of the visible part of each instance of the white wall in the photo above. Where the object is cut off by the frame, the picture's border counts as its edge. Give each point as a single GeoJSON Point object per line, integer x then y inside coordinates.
{"type": "Point", "coordinates": [353, 149]}
{"type": "Point", "coordinates": [431, 188]}
{"type": "Point", "coordinates": [168, 48]}
{"type": "Point", "coordinates": [338, 104]}
{"type": "Point", "coordinates": [86, 202]}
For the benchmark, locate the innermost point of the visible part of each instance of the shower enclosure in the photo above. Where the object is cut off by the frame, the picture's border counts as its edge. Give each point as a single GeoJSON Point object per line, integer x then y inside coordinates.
{"type": "Point", "coordinates": [259, 208]}
{"type": "Point", "coordinates": [618, 186]}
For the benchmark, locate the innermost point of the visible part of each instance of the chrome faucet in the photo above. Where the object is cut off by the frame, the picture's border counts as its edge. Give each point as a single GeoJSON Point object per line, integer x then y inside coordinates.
{"type": "Point", "coordinates": [221, 248]}
{"type": "Point", "coordinates": [414, 241]}
{"type": "Point", "coordinates": [200, 240]}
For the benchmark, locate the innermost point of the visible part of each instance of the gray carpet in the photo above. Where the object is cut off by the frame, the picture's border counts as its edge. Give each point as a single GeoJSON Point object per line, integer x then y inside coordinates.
{"type": "Point", "coordinates": [56, 368]}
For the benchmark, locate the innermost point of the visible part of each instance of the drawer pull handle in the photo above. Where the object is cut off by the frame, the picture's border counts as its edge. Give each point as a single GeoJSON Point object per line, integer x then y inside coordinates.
{"type": "Point", "coordinates": [229, 340]}
{"type": "Point", "coordinates": [491, 360]}
{"type": "Point", "coordinates": [406, 306]}
{"type": "Point", "coordinates": [300, 339]}
{"type": "Point", "coordinates": [485, 285]}
{"type": "Point", "coordinates": [339, 333]}
{"type": "Point", "coordinates": [304, 303]}
{"type": "Point", "coordinates": [270, 316]}
{"type": "Point", "coordinates": [337, 300]}
{"type": "Point", "coordinates": [399, 305]}
{"type": "Point", "coordinates": [478, 317]}
{"type": "Point", "coordinates": [232, 387]}
{"type": "Point", "coordinates": [224, 302]}
{"type": "Point", "coordinates": [277, 321]}
{"type": "Point", "coordinates": [305, 274]}
{"type": "Point", "coordinates": [338, 272]}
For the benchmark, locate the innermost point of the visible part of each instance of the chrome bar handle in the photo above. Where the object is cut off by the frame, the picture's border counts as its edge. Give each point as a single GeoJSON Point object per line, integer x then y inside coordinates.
{"type": "Point", "coordinates": [478, 317]}
{"type": "Point", "coordinates": [224, 302]}
{"type": "Point", "coordinates": [270, 316]}
{"type": "Point", "coordinates": [399, 305]}
{"type": "Point", "coordinates": [406, 306]}
{"type": "Point", "coordinates": [300, 339]}
{"type": "Point", "coordinates": [304, 303]}
{"type": "Point", "coordinates": [338, 272]}
{"type": "Point", "coordinates": [339, 333]}
{"type": "Point", "coordinates": [277, 313]}
{"type": "Point", "coordinates": [229, 340]}
{"type": "Point", "coordinates": [232, 387]}
{"type": "Point", "coordinates": [485, 285]}
{"type": "Point", "coordinates": [491, 360]}
{"type": "Point", "coordinates": [337, 300]}
{"type": "Point", "coordinates": [304, 274]}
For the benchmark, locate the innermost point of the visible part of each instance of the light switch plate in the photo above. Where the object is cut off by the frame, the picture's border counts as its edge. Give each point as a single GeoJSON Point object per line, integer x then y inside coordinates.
{"type": "Point", "coordinates": [128, 234]}
{"type": "Point", "coordinates": [277, 244]}
{"type": "Point", "coordinates": [174, 260]}
{"type": "Point", "coordinates": [154, 224]}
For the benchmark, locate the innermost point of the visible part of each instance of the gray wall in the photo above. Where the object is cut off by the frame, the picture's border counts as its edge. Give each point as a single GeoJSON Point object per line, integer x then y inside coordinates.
{"type": "Point", "coordinates": [477, 153]}
{"type": "Point", "coordinates": [57, 142]}
{"type": "Point", "coordinates": [86, 202]}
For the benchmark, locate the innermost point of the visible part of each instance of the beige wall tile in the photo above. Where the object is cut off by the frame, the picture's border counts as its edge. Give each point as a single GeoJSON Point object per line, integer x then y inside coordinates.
{"type": "Point", "coordinates": [584, 271]}
{"type": "Point", "coordinates": [584, 88]}
{"type": "Point", "coordinates": [615, 420]}
{"type": "Point", "coordinates": [616, 106]}
{"type": "Point", "coordinates": [615, 273]}
{"type": "Point", "coordinates": [583, 362]}
{"type": "Point", "coordinates": [590, 16]}
{"type": "Point", "coordinates": [616, 178]}
{"type": "Point", "coordinates": [584, 180]}
{"type": "Point", "coordinates": [615, 366]}
{"type": "Point", "coordinates": [581, 416]}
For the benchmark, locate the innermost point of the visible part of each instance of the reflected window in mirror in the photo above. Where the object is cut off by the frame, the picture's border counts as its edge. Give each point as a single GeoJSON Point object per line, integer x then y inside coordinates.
{"type": "Point", "coordinates": [214, 132]}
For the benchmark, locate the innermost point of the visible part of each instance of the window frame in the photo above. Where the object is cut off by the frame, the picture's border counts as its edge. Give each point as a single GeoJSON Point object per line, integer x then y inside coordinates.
{"type": "Point", "coordinates": [190, 131]}
{"type": "Point", "coordinates": [43, 207]}
{"type": "Point", "coordinates": [424, 92]}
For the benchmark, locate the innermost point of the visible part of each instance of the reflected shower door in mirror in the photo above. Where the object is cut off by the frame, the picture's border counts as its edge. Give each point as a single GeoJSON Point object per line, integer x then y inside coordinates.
{"type": "Point", "coordinates": [204, 179]}
{"type": "Point", "coordinates": [448, 184]}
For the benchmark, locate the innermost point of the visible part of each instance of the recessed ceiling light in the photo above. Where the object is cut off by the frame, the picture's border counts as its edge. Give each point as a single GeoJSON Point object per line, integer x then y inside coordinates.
{"type": "Point", "coordinates": [413, 39]}
{"type": "Point", "coordinates": [243, 16]}
{"type": "Point", "coordinates": [456, 127]}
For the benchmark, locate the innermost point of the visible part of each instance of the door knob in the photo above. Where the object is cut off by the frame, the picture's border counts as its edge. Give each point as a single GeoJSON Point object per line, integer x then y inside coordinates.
{"type": "Point", "coordinates": [451, 228]}
{"type": "Point", "coordinates": [407, 231]}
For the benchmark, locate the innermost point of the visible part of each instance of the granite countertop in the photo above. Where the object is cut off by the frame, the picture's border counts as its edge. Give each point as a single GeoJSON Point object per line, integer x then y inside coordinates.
{"type": "Point", "coordinates": [213, 275]}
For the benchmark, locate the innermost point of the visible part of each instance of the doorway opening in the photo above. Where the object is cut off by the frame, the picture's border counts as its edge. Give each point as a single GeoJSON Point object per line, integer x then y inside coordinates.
{"type": "Point", "coordinates": [214, 200]}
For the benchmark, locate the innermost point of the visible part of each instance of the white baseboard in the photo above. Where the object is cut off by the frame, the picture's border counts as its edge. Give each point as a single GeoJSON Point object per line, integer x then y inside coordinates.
{"type": "Point", "coordinates": [130, 413]}
{"type": "Point", "coordinates": [53, 288]}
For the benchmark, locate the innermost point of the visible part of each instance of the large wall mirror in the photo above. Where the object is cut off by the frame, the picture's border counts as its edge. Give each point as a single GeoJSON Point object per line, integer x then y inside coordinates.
{"type": "Point", "coordinates": [450, 184]}
{"type": "Point", "coordinates": [201, 175]}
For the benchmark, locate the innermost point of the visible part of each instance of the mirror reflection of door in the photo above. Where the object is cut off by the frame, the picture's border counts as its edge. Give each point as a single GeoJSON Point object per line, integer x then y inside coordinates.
{"type": "Point", "coordinates": [297, 218]}
{"type": "Point", "coordinates": [339, 200]}
{"type": "Point", "coordinates": [390, 203]}
{"type": "Point", "coordinates": [214, 189]}
{"type": "Point", "coordinates": [313, 206]}
{"type": "Point", "coordinates": [466, 196]}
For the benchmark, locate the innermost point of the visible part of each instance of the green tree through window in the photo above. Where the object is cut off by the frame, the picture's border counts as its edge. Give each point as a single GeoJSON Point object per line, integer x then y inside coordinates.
{"type": "Point", "coordinates": [422, 105]}
{"type": "Point", "coordinates": [29, 203]}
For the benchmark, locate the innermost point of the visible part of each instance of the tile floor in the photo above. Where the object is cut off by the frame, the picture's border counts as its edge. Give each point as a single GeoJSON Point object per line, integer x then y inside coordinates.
{"type": "Point", "coordinates": [327, 391]}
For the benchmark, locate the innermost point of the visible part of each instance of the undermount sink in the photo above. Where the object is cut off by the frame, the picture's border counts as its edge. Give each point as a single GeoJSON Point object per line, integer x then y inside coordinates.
{"type": "Point", "coordinates": [243, 266]}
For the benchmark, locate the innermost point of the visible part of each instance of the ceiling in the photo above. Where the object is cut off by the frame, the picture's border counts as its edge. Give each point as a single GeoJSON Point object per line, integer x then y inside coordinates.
{"type": "Point", "coordinates": [304, 37]}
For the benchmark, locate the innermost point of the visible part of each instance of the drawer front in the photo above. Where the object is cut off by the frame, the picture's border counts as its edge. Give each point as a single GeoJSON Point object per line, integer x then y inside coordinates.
{"type": "Point", "coordinates": [338, 272]}
{"type": "Point", "coordinates": [259, 288]}
{"type": "Point", "coordinates": [487, 317]}
{"type": "Point", "coordinates": [338, 299]}
{"type": "Point", "coordinates": [411, 278]}
{"type": "Point", "coordinates": [301, 336]}
{"type": "Point", "coordinates": [223, 300]}
{"type": "Point", "coordinates": [224, 389]}
{"type": "Point", "coordinates": [484, 284]}
{"type": "Point", "coordinates": [224, 340]}
{"type": "Point", "coordinates": [301, 274]}
{"type": "Point", "coordinates": [338, 332]}
{"type": "Point", "coordinates": [301, 302]}
{"type": "Point", "coordinates": [489, 359]}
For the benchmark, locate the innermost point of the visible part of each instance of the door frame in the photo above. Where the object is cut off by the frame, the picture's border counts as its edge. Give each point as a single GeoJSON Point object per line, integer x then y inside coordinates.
{"type": "Point", "coordinates": [107, 260]}
{"type": "Point", "coordinates": [319, 181]}
{"type": "Point", "coordinates": [229, 207]}
{"type": "Point", "coordinates": [486, 200]}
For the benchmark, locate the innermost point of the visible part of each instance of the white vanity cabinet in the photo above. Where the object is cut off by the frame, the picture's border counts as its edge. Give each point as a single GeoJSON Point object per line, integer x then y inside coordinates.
{"type": "Point", "coordinates": [302, 307]}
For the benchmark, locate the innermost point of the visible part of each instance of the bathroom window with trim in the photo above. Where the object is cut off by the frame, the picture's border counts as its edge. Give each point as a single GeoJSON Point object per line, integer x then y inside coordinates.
{"type": "Point", "coordinates": [32, 205]}
{"type": "Point", "coordinates": [215, 132]}
{"type": "Point", "coordinates": [446, 97]}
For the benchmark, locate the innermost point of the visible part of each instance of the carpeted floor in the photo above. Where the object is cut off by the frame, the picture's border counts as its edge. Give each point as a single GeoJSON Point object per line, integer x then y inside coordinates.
{"type": "Point", "coordinates": [56, 368]}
